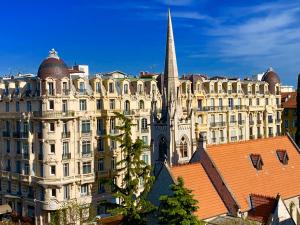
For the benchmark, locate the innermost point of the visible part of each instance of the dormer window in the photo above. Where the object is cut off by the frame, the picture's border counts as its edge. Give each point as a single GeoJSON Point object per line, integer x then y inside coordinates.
{"type": "Point", "coordinates": [256, 161]}
{"type": "Point", "coordinates": [81, 87]}
{"type": "Point", "coordinates": [98, 87]}
{"type": "Point", "coordinates": [140, 88]}
{"type": "Point", "coordinates": [282, 156]}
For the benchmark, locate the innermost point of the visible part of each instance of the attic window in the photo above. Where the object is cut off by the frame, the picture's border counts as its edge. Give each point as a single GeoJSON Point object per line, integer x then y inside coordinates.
{"type": "Point", "coordinates": [257, 161]}
{"type": "Point", "coordinates": [282, 156]}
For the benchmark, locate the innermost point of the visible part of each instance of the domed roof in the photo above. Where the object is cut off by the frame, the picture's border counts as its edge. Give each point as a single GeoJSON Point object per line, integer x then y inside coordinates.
{"type": "Point", "coordinates": [271, 77]}
{"type": "Point", "coordinates": [53, 67]}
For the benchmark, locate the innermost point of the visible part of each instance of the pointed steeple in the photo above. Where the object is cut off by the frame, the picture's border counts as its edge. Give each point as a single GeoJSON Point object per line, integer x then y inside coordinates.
{"type": "Point", "coordinates": [171, 70]}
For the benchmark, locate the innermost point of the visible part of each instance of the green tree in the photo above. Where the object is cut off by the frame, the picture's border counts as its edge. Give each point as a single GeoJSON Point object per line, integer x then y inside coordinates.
{"type": "Point", "coordinates": [132, 205]}
{"type": "Point", "coordinates": [179, 207]}
{"type": "Point", "coordinates": [297, 136]}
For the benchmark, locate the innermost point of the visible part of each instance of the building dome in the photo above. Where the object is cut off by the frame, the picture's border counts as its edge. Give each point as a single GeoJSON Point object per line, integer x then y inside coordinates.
{"type": "Point", "coordinates": [272, 78]}
{"type": "Point", "coordinates": [53, 67]}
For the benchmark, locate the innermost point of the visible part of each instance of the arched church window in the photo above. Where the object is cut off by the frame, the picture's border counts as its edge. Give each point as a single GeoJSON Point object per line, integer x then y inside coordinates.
{"type": "Point", "coordinates": [163, 147]}
{"type": "Point", "coordinates": [183, 148]}
{"type": "Point", "coordinates": [141, 104]}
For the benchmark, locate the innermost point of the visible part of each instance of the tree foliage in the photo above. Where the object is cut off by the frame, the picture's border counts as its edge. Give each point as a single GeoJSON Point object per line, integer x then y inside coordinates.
{"type": "Point", "coordinates": [72, 212]}
{"type": "Point", "coordinates": [132, 205]}
{"type": "Point", "coordinates": [179, 207]}
{"type": "Point", "coordinates": [297, 136]}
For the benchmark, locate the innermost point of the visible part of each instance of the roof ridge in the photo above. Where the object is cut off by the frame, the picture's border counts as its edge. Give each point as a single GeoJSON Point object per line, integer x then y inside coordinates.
{"type": "Point", "coordinates": [184, 164]}
{"type": "Point", "coordinates": [246, 141]}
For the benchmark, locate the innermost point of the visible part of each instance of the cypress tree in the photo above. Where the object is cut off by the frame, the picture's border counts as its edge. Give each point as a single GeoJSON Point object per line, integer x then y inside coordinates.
{"type": "Point", "coordinates": [179, 207]}
{"type": "Point", "coordinates": [297, 136]}
{"type": "Point", "coordinates": [133, 206]}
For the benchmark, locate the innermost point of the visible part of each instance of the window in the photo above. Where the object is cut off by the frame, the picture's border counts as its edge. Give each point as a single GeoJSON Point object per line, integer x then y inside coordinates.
{"type": "Point", "coordinates": [98, 87]}
{"type": "Point", "coordinates": [7, 146]}
{"type": "Point", "coordinates": [230, 103]}
{"type": "Point", "coordinates": [85, 126]}
{"type": "Point", "coordinates": [52, 170]}
{"type": "Point", "coordinates": [112, 104]}
{"type": "Point", "coordinates": [257, 102]}
{"type": "Point", "coordinates": [53, 192]}
{"type": "Point", "coordinates": [127, 106]}
{"type": "Point", "coordinates": [17, 106]}
{"type": "Point", "coordinates": [101, 188]}
{"type": "Point", "coordinates": [113, 144]}
{"type": "Point", "coordinates": [64, 105]}
{"type": "Point", "coordinates": [111, 87]}
{"type": "Point", "coordinates": [282, 156]}
{"type": "Point", "coordinates": [86, 147]}
{"type": "Point", "coordinates": [66, 169]}
{"type": "Point", "coordinates": [256, 161]}
{"type": "Point", "coordinates": [28, 104]}
{"type": "Point", "coordinates": [50, 88]}
{"type": "Point", "coordinates": [100, 144]}
{"type": "Point", "coordinates": [82, 104]}
{"type": "Point", "coordinates": [99, 104]}
{"type": "Point", "coordinates": [112, 123]}
{"type": "Point", "coordinates": [66, 191]}
{"type": "Point", "coordinates": [113, 163]}
{"type": "Point", "coordinates": [86, 167]}
{"type": "Point", "coordinates": [141, 104]}
{"type": "Point", "coordinates": [212, 102]}
{"type": "Point", "coordinates": [199, 104]}
{"type": "Point", "coordinates": [52, 148]}
{"type": "Point", "coordinates": [286, 123]}
{"type": "Point", "coordinates": [140, 89]}
{"type": "Point", "coordinates": [51, 127]}
{"type": "Point", "coordinates": [51, 104]}
{"type": "Point", "coordinates": [100, 164]}
{"type": "Point", "coordinates": [183, 148]}
{"type": "Point", "coordinates": [81, 87]}
{"type": "Point", "coordinates": [267, 101]}
{"type": "Point", "coordinates": [145, 140]}
{"type": "Point", "coordinates": [6, 106]}
{"type": "Point", "coordinates": [65, 148]}
{"type": "Point", "coordinates": [125, 88]}
{"type": "Point", "coordinates": [100, 126]}
{"type": "Point", "coordinates": [144, 124]}
{"type": "Point", "coordinates": [145, 158]}
{"type": "Point", "coordinates": [220, 102]}
{"type": "Point", "coordinates": [65, 88]}
{"type": "Point", "coordinates": [18, 167]}
{"type": "Point", "coordinates": [84, 190]}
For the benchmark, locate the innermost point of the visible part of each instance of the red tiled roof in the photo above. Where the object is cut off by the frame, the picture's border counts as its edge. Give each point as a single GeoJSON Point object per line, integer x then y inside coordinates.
{"type": "Point", "coordinates": [195, 178]}
{"type": "Point", "coordinates": [289, 100]}
{"type": "Point", "coordinates": [263, 207]}
{"type": "Point", "coordinates": [234, 164]}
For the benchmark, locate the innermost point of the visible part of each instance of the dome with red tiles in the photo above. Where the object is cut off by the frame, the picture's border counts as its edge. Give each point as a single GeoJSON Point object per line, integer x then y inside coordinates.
{"type": "Point", "coordinates": [272, 78]}
{"type": "Point", "coordinates": [53, 67]}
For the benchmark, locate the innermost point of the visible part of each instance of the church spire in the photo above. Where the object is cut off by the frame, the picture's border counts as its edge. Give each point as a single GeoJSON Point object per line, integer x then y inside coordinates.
{"type": "Point", "coordinates": [171, 70]}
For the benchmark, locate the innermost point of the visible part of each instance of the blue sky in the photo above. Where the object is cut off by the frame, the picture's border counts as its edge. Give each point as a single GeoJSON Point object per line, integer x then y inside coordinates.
{"type": "Point", "coordinates": [233, 38]}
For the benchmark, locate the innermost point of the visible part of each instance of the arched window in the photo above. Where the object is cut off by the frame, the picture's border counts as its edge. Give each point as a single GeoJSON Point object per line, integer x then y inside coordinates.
{"type": "Point", "coordinates": [144, 124]}
{"type": "Point", "coordinates": [125, 88]}
{"type": "Point", "coordinates": [183, 148]}
{"type": "Point", "coordinates": [141, 104]}
{"type": "Point", "coordinates": [127, 106]}
{"type": "Point", "coordinates": [163, 148]}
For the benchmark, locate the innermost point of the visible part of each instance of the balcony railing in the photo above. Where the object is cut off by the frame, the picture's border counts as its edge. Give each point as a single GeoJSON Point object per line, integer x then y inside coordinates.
{"type": "Point", "coordinates": [144, 130]}
{"type": "Point", "coordinates": [20, 134]}
{"type": "Point", "coordinates": [87, 154]}
{"type": "Point", "coordinates": [241, 122]}
{"type": "Point", "coordinates": [233, 138]}
{"type": "Point", "coordinates": [66, 155]}
{"type": "Point", "coordinates": [54, 114]}
{"type": "Point", "coordinates": [101, 132]}
{"type": "Point", "coordinates": [65, 135]}
{"type": "Point", "coordinates": [51, 92]}
{"type": "Point", "coordinates": [65, 91]}
{"type": "Point", "coordinates": [217, 124]}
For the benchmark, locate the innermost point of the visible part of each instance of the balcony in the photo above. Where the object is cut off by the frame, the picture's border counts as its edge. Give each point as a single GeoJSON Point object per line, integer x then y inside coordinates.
{"type": "Point", "coordinates": [82, 92]}
{"type": "Point", "coordinates": [66, 156]}
{"type": "Point", "coordinates": [65, 135]}
{"type": "Point", "coordinates": [252, 136]}
{"type": "Point", "coordinates": [19, 134]}
{"type": "Point", "coordinates": [101, 132]}
{"type": "Point", "coordinates": [51, 92]}
{"type": "Point", "coordinates": [270, 120]}
{"type": "Point", "coordinates": [6, 134]}
{"type": "Point", "coordinates": [233, 138]}
{"type": "Point", "coordinates": [241, 122]}
{"type": "Point", "coordinates": [86, 132]}
{"type": "Point", "coordinates": [65, 91]}
{"type": "Point", "coordinates": [144, 130]}
{"type": "Point", "coordinates": [87, 154]}
{"type": "Point", "coordinates": [217, 124]}
{"type": "Point", "coordinates": [53, 114]}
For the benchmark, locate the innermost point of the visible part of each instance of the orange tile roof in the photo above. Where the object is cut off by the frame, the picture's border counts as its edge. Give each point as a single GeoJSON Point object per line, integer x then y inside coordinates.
{"type": "Point", "coordinates": [195, 178]}
{"type": "Point", "coordinates": [235, 166]}
{"type": "Point", "coordinates": [291, 102]}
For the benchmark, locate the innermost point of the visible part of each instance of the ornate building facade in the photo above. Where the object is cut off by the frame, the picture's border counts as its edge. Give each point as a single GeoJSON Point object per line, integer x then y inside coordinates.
{"type": "Point", "coordinates": [55, 126]}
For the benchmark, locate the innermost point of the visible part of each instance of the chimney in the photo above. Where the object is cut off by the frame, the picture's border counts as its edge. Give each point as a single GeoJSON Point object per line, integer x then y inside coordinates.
{"type": "Point", "coordinates": [202, 141]}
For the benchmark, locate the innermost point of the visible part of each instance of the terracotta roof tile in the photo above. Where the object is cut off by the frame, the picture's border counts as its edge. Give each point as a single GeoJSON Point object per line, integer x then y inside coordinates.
{"type": "Point", "coordinates": [289, 100]}
{"type": "Point", "coordinates": [195, 178]}
{"type": "Point", "coordinates": [235, 166]}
